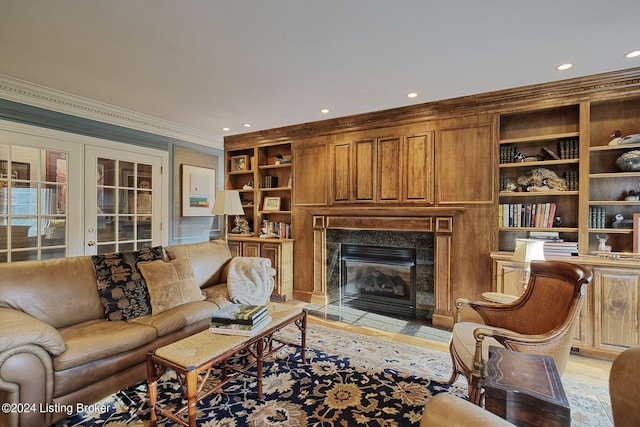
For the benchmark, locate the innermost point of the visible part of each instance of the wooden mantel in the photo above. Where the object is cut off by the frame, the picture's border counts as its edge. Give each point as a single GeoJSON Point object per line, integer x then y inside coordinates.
{"type": "Point", "coordinates": [430, 219]}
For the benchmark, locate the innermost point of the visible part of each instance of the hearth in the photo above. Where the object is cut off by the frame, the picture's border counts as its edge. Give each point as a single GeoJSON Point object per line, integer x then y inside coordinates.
{"type": "Point", "coordinates": [378, 279]}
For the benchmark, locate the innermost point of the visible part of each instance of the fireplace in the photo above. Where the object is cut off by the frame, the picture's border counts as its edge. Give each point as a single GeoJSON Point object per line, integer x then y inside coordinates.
{"type": "Point", "coordinates": [378, 279]}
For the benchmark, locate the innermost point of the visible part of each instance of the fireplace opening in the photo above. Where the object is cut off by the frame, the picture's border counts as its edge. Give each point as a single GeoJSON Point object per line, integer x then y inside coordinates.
{"type": "Point", "coordinates": [378, 279]}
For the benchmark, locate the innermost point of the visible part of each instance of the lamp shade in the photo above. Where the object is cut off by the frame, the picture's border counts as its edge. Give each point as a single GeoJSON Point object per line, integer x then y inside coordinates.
{"type": "Point", "coordinates": [227, 203]}
{"type": "Point", "coordinates": [528, 250]}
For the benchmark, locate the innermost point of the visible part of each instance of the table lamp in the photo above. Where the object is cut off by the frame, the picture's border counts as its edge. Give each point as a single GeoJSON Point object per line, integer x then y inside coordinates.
{"type": "Point", "coordinates": [227, 203]}
{"type": "Point", "coordinates": [528, 250]}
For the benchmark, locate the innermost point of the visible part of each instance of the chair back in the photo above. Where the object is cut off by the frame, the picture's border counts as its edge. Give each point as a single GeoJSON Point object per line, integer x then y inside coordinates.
{"type": "Point", "coordinates": [624, 388]}
{"type": "Point", "coordinates": [553, 297]}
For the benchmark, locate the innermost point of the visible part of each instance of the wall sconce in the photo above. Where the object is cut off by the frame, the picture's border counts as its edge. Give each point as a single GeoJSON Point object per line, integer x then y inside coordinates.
{"type": "Point", "coordinates": [528, 250]}
{"type": "Point", "coordinates": [227, 203]}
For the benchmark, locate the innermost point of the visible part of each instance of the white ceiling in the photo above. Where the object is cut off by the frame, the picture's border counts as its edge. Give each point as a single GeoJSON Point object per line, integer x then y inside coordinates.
{"type": "Point", "coordinates": [207, 64]}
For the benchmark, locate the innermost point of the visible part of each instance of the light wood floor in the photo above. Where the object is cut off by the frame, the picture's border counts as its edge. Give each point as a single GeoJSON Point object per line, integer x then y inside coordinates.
{"type": "Point", "coordinates": [581, 369]}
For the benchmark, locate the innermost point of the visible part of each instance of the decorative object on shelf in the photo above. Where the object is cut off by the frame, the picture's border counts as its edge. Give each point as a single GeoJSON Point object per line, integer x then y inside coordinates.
{"type": "Point", "coordinates": [602, 243]}
{"type": "Point", "coordinates": [550, 153]}
{"type": "Point", "coordinates": [632, 196]}
{"type": "Point", "coordinates": [239, 163]}
{"type": "Point", "coordinates": [620, 222]}
{"type": "Point", "coordinates": [619, 140]}
{"type": "Point", "coordinates": [248, 185]}
{"type": "Point", "coordinates": [227, 203]}
{"type": "Point", "coordinates": [629, 161]}
{"type": "Point", "coordinates": [242, 226]}
{"type": "Point", "coordinates": [271, 204]}
{"type": "Point", "coordinates": [283, 160]}
{"type": "Point", "coordinates": [540, 177]}
{"type": "Point", "coordinates": [198, 190]}
{"type": "Point", "coordinates": [557, 221]}
{"type": "Point", "coordinates": [520, 157]}
{"type": "Point", "coordinates": [528, 250]}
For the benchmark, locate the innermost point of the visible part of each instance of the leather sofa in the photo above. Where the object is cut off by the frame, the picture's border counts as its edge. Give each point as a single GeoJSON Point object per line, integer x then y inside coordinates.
{"type": "Point", "coordinates": [57, 347]}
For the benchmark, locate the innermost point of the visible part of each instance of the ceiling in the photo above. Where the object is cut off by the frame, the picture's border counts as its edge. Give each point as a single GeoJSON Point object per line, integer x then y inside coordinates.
{"type": "Point", "coordinates": [209, 64]}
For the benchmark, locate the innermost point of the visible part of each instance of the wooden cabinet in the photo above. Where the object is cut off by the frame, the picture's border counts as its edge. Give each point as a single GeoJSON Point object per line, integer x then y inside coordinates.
{"type": "Point", "coordinates": [279, 251]}
{"type": "Point", "coordinates": [616, 307]}
{"type": "Point", "coordinates": [265, 184]}
{"type": "Point", "coordinates": [509, 277]}
{"type": "Point", "coordinates": [545, 179]}
{"type": "Point", "coordinates": [397, 168]}
{"type": "Point", "coordinates": [609, 186]}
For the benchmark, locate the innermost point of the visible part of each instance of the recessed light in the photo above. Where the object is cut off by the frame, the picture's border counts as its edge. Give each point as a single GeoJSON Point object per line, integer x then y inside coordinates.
{"type": "Point", "coordinates": [563, 67]}
{"type": "Point", "coordinates": [226, 129]}
{"type": "Point", "coordinates": [247, 125]}
{"type": "Point", "coordinates": [632, 54]}
{"type": "Point", "coordinates": [324, 110]}
{"type": "Point", "coordinates": [412, 95]}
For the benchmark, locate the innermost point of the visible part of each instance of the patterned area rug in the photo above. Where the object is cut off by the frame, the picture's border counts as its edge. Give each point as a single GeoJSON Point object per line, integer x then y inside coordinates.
{"type": "Point", "coordinates": [349, 380]}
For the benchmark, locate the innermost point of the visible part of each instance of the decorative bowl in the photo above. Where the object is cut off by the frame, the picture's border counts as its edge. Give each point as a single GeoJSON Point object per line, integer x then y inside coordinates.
{"type": "Point", "coordinates": [629, 161]}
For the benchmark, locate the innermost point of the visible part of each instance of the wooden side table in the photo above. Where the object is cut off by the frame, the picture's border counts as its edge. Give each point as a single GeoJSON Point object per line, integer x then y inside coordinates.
{"type": "Point", "coordinates": [525, 389]}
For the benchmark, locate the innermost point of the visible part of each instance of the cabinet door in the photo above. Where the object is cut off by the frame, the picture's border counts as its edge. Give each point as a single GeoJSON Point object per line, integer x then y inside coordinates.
{"type": "Point", "coordinates": [281, 256]}
{"type": "Point", "coordinates": [616, 307]}
{"type": "Point", "coordinates": [465, 164]}
{"type": "Point", "coordinates": [235, 248]}
{"type": "Point", "coordinates": [365, 170]}
{"type": "Point", "coordinates": [417, 161]}
{"type": "Point", "coordinates": [388, 169]}
{"type": "Point", "coordinates": [251, 249]}
{"type": "Point", "coordinates": [310, 171]}
{"type": "Point", "coordinates": [341, 172]}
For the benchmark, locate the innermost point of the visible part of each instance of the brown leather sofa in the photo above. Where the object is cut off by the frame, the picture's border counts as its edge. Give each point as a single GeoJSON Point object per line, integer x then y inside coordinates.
{"type": "Point", "coordinates": [57, 349]}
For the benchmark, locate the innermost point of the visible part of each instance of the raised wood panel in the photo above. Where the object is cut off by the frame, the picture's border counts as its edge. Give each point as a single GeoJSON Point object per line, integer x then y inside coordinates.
{"type": "Point", "coordinates": [310, 175]}
{"type": "Point", "coordinates": [616, 305]}
{"type": "Point", "coordinates": [251, 249]}
{"type": "Point", "coordinates": [365, 167]}
{"type": "Point", "coordinates": [389, 169]}
{"type": "Point", "coordinates": [341, 172]}
{"type": "Point", "coordinates": [465, 165]}
{"type": "Point", "coordinates": [417, 160]}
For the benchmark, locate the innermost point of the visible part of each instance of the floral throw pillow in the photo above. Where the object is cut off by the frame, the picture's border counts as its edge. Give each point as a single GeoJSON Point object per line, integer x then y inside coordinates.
{"type": "Point", "coordinates": [121, 286]}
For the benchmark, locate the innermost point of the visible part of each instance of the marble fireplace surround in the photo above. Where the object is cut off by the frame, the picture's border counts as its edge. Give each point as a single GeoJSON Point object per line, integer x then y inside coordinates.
{"type": "Point", "coordinates": [436, 220]}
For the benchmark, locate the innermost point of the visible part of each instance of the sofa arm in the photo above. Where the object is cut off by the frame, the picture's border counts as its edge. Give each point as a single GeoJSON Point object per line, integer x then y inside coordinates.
{"type": "Point", "coordinates": [26, 382]}
{"type": "Point", "coordinates": [18, 328]}
{"type": "Point", "coordinates": [447, 410]}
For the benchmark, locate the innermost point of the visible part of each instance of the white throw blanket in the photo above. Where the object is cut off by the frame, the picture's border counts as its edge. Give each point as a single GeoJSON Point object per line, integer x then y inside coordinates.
{"type": "Point", "coordinates": [250, 280]}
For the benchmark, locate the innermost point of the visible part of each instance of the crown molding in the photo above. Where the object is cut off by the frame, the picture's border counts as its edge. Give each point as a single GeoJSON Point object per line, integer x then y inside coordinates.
{"type": "Point", "coordinates": [34, 95]}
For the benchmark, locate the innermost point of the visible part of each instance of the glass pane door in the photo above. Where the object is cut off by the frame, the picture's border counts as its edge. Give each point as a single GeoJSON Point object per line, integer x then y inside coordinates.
{"type": "Point", "coordinates": [125, 187]}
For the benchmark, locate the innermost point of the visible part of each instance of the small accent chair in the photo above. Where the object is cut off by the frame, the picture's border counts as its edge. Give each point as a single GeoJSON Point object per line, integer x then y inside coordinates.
{"type": "Point", "coordinates": [540, 321]}
{"type": "Point", "coordinates": [624, 388]}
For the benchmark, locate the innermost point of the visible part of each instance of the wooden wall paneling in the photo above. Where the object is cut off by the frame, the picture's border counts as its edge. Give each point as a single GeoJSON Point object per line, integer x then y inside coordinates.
{"type": "Point", "coordinates": [465, 164]}
{"type": "Point", "coordinates": [388, 158]}
{"type": "Point", "coordinates": [341, 166]}
{"type": "Point", "coordinates": [311, 172]}
{"type": "Point", "coordinates": [365, 170]}
{"type": "Point", "coordinates": [417, 168]}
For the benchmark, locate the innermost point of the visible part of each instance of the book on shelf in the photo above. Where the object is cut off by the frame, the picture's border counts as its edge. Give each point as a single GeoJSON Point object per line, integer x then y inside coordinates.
{"type": "Point", "coordinates": [539, 215]}
{"type": "Point", "coordinates": [239, 329]}
{"type": "Point", "coordinates": [242, 314]}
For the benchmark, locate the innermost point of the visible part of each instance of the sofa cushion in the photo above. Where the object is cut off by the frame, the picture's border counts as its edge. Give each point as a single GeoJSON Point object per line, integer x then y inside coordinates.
{"type": "Point", "coordinates": [170, 284]}
{"type": "Point", "coordinates": [97, 339]}
{"type": "Point", "coordinates": [178, 317]}
{"type": "Point", "coordinates": [207, 259]}
{"type": "Point", "coordinates": [19, 329]}
{"type": "Point", "coordinates": [122, 288]}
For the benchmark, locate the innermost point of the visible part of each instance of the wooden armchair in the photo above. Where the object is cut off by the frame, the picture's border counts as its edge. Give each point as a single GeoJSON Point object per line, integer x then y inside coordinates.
{"type": "Point", "coordinates": [540, 321]}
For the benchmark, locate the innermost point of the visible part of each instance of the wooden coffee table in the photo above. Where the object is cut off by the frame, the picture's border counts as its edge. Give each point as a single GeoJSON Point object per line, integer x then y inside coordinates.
{"type": "Point", "coordinates": [525, 389]}
{"type": "Point", "coordinates": [194, 358]}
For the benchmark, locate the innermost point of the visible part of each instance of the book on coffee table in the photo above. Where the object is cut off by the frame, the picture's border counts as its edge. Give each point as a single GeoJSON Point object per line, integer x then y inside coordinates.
{"type": "Point", "coordinates": [241, 314]}
{"type": "Point", "coordinates": [239, 329]}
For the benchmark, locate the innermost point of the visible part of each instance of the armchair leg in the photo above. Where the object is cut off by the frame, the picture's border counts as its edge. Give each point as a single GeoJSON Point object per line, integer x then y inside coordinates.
{"type": "Point", "coordinates": [454, 370]}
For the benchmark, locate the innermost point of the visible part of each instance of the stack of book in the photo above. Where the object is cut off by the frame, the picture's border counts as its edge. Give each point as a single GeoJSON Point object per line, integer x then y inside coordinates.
{"type": "Point", "coordinates": [239, 319]}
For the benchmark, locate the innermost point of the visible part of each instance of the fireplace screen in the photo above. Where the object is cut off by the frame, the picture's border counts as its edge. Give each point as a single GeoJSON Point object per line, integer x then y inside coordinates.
{"type": "Point", "coordinates": [378, 279]}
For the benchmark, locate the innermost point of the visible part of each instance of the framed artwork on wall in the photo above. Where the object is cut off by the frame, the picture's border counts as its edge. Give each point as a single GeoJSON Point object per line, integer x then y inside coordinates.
{"type": "Point", "coordinates": [198, 190]}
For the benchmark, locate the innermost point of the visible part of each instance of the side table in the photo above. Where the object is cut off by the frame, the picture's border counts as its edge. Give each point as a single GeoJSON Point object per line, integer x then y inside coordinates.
{"type": "Point", "coordinates": [525, 389]}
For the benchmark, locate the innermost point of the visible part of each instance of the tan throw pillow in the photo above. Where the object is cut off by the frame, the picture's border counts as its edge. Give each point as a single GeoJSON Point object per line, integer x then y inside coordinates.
{"type": "Point", "coordinates": [170, 284]}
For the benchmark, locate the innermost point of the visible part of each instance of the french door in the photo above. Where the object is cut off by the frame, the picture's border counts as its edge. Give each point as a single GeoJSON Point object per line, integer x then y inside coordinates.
{"type": "Point", "coordinates": [123, 200]}
{"type": "Point", "coordinates": [64, 194]}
